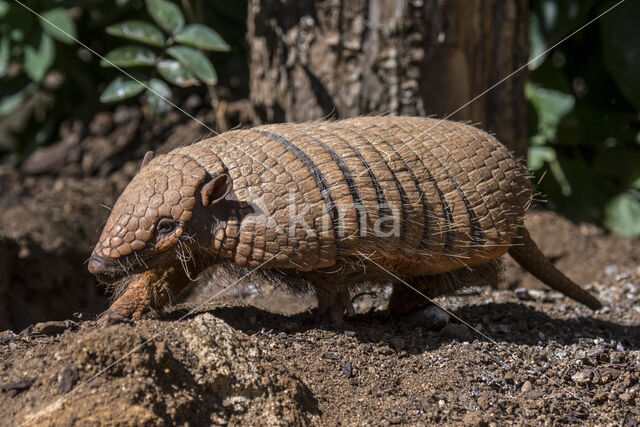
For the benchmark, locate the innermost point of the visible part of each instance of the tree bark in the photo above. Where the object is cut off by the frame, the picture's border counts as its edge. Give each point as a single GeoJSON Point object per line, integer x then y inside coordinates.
{"type": "Point", "coordinates": [313, 59]}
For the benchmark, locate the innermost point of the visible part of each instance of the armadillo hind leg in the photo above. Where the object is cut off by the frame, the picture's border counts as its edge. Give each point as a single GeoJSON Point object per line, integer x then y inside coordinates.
{"type": "Point", "coordinates": [528, 255]}
{"type": "Point", "coordinates": [333, 302]}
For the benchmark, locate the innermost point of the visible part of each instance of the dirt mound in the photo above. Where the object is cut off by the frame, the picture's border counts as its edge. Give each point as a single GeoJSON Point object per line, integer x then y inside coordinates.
{"type": "Point", "coordinates": [205, 373]}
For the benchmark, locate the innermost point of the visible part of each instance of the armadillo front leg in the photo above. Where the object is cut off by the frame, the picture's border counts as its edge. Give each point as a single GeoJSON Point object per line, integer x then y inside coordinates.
{"type": "Point", "coordinates": [151, 289]}
{"type": "Point", "coordinates": [132, 304]}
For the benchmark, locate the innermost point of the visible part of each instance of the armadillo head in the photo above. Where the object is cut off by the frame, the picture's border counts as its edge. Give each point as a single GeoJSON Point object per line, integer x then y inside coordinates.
{"type": "Point", "coordinates": [154, 216]}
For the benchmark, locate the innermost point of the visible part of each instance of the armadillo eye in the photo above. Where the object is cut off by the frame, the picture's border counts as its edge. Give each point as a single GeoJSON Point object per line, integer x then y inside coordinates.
{"type": "Point", "coordinates": [166, 225]}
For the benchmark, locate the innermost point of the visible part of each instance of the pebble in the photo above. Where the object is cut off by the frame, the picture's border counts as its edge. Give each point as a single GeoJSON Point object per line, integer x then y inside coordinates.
{"type": "Point", "coordinates": [526, 387]}
{"type": "Point", "coordinates": [483, 402]}
{"type": "Point", "coordinates": [331, 355]}
{"type": "Point", "coordinates": [621, 276]}
{"type": "Point", "coordinates": [582, 377]}
{"type": "Point", "coordinates": [626, 398]}
{"type": "Point", "coordinates": [537, 293]}
{"type": "Point", "coordinates": [431, 318]}
{"type": "Point", "coordinates": [347, 370]}
{"type": "Point", "coordinates": [523, 294]}
{"type": "Point", "coordinates": [610, 269]}
{"type": "Point", "coordinates": [66, 378]}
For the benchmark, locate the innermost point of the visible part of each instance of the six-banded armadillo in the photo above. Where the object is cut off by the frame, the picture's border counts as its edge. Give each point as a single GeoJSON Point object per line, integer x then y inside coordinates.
{"type": "Point", "coordinates": [335, 203]}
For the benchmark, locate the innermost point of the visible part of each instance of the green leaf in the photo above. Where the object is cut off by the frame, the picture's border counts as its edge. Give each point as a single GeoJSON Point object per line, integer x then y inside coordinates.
{"type": "Point", "coordinates": [157, 94]}
{"type": "Point", "coordinates": [121, 88]}
{"type": "Point", "coordinates": [139, 31]}
{"type": "Point", "coordinates": [622, 215]}
{"type": "Point", "coordinates": [38, 61]}
{"type": "Point", "coordinates": [129, 56]}
{"type": "Point", "coordinates": [176, 73]}
{"type": "Point", "coordinates": [551, 107]}
{"type": "Point", "coordinates": [4, 55]}
{"type": "Point", "coordinates": [196, 62]}
{"type": "Point", "coordinates": [166, 14]}
{"type": "Point", "coordinates": [541, 155]}
{"type": "Point", "coordinates": [4, 8]}
{"type": "Point", "coordinates": [66, 28]}
{"type": "Point", "coordinates": [202, 37]}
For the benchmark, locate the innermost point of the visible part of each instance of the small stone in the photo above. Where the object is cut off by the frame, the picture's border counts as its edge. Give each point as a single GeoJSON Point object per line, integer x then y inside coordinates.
{"type": "Point", "coordinates": [331, 355]}
{"type": "Point", "coordinates": [610, 269]}
{"type": "Point", "coordinates": [626, 398]}
{"type": "Point", "coordinates": [621, 276]}
{"type": "Point", "coordinates": [537, 293]}
{"type": "Point", "coordinates": [432, 318]}
{"type": "Point", "coordinates": [483, 403]}
{"type": "Point", "coordinates": [526, 387]}
{"type": "Point", "coordinates": [582, 377]}
{"type": "Point", "coordinates": [473, 419]}
{"type": "Point", "coordinates": [365, 348]}
{"type": "Point", "coordinates": [523, 294]}
{"type": "Point", "coordinates": [599, 398]}
{"type": "Point", "coordinates": [347, 370]}
{"type": "Point", "coordinates": [66, 378]}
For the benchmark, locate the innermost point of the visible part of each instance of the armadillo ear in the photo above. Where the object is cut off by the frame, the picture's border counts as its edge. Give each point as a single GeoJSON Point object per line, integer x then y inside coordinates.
{"type": "Point", "coordinates": [216, 189]}
{"type": "Point", "coordinates": [148, 156]}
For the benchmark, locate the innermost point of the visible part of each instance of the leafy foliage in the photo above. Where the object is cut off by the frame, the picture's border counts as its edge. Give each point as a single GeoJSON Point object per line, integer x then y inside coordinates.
{"type": "Point", "coordinates": [583, 104]}
{"type": "Point", "coordinates": [47, 78]}
{"type": "Point", "coordinates": [29, 46]}
{"type": "Point", "coordinates": [181, 43]}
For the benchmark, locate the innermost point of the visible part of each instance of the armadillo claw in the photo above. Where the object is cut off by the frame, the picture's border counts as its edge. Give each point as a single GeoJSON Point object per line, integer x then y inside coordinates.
{"type": "Point", "coordinates": [110, 317]}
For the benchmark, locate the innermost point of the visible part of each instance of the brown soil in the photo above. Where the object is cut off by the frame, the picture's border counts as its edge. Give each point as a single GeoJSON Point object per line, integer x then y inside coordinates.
{"type": "Point", "coordinates": [247, 357]}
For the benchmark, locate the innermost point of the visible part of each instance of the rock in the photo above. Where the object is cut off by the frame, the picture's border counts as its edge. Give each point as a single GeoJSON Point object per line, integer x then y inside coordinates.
{"type": "Point", "coordinates": [523, 294]}
{"type": "Point", "coordinates": [66, 378]}
{"type": "Point", "coordinates": [474, 419]}
{"type": "Point", "coordinates": [526, 387]}
{"type": "Point", "coordinates": [483, 403]}
{"type": "Point", "coordinates": [331, 355]}
{"type": "Point", "coordinates": [347, 370]}
{"type": "Point", "coordinates": [18, 385]}
{"type": "Point", "coordinates": [537, 293]}
{"type": "Point", "coordinates": [582, 377]}
{"type": "Point", "coordinates": [431, 318]}
{"type": "Point", "coordinates": [626, 398]}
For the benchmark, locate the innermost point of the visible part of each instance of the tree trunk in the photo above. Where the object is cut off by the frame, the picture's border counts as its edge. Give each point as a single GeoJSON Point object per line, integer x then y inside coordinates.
{"type": "Point", "coordinates": [312, 59]}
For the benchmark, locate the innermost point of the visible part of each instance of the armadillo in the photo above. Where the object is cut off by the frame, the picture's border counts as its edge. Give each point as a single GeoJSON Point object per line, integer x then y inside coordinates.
{"type": "Point", "coordinates": [336, 203]}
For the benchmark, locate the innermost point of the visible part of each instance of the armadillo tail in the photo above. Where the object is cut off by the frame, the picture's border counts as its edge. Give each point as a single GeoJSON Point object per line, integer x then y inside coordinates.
{"type": "Point", "coordinates": [527, 254]}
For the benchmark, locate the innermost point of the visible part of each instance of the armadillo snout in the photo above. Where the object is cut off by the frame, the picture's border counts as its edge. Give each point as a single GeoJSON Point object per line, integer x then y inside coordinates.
{"type": "Point", "coordinates": [96, 265]}
{"type": "Point", "coordinates": [105, 269]}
